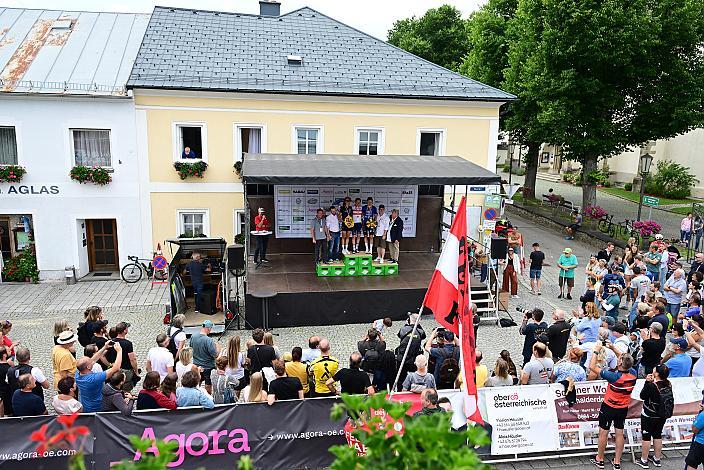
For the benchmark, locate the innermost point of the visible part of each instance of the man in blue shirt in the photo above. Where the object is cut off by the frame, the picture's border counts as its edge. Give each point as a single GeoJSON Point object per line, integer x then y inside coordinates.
{"type": "Point", "coordinates": [446, 349]}
{"type": "Point", "coordinates": [695, 457]}
{"type": "Point", "coordinates": [680, 363]}
{"type": "Point", "coordinates": [188, 153]}
{"type": "Point", "coordinates": [89, 383]}
{"type": "Point", "coordinates": [24, 402]}
{"type": "Point", "coordinates": [659, 315]}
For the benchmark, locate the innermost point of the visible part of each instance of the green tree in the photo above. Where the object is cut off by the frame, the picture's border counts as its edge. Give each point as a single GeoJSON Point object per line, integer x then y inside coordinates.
{"type": "Point", "coordinates": [439, 36]}
{"type": "Point", "coordinates": [609, 74]}
{"type": "Point", "coordinates": [427, 441]}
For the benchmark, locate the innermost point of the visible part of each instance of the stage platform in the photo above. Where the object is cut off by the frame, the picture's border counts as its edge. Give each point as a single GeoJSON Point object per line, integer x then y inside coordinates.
{"type": "Point", "coordinates": [305, 299]}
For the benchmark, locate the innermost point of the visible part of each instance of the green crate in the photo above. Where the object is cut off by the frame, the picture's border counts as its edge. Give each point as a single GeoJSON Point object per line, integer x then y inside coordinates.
{"type": "Point", "coordinates": [350, 270]}
{"type": "Point", "coordinates": [364, 261]}
{"type": "Point", "coordinates": [390, 269]}
{"type": "Point", "coordinates": [337, 270]}
{"type": "Point", "coordinates": [364, 270]}
{"type": "Point", "coordinates": [378, 270]}
{"type": "Point", "coordinates": [350, 261]}
{"type": "Point", "coordinates": [323, 270]}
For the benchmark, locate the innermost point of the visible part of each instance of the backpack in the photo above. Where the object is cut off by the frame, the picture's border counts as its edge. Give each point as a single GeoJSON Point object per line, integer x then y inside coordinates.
{"type": "Point", "coordinates": [83, 336]}
{"type": "Point", "coordinates": [666, 406]}
{"type": "Point", "coordinates": [172, 347]}
{"type": "Point", "coordinates": [449, 368]}
{"type": "Point", "coordinates": [370, 360]}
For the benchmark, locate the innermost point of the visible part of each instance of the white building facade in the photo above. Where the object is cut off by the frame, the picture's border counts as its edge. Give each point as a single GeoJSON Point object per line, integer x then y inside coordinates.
{"type": "Point", "coordinates": [64, 104]}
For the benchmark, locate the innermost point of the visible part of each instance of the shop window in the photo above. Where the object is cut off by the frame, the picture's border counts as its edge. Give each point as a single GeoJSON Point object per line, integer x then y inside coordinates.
{"type": "Point", "coordinates": [369, 141]}
{"type": "Point", "coordinates": [8, 146]}
{"type": "Point", "coordinates": [308, 140]}
{"type": "Point", "coordinates": [430, 142]}
{"type": "Point", "coordinates": [91, 147]}
{"type": "Point", "coordinates": [193, 223]}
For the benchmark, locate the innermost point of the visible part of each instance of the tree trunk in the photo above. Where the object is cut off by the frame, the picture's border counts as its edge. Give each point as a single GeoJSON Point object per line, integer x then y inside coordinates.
{"type": "Point", "coordinates": [531, 161]}
{"type": "Point", "coordinates": [588, 186]}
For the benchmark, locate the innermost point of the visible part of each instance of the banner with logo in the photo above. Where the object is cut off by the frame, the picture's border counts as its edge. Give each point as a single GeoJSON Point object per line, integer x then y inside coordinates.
{"type": "Point", "coordinates": [288, 434]}
{"type": "Point", "coordinates": [295, 206]}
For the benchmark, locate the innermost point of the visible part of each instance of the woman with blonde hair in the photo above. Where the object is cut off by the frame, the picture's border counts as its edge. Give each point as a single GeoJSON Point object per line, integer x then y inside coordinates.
{"type": "Point", "coordinates": [501, 377]}
{"type": "Point", "coordinates": [269, 340]}
{"type": "Point", "coordinates": [235, 361]}
{"type": "Point", "coordinates": [570, 367]}
{"type": "Point", "coordinates": [185, 362]}
{"type": "Point", "coordinates": [588, 326]}
{"type": "Point", "coordinates": [59, 327]}
{"type": "Point", "coordinates": [254, 392]}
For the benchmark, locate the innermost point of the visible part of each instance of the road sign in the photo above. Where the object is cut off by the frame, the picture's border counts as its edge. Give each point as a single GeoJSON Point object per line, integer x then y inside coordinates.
{"type": "Point", "coordinates": [159, 262]}
{"type": "Point", "coordinates": [651, 201]}
{"type": "Point", "coordinates": [490, 225]}
{"type": "Point", "coordinates": [490, 214]}
{"type": "Point", "coordinates": [492, 201]}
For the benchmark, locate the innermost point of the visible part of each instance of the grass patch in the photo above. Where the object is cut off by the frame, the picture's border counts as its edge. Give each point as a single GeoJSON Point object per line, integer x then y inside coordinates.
{"type": "Point", "coordinates": [635, 197]}
{"type": "Point", "coordinates": [681, 210]}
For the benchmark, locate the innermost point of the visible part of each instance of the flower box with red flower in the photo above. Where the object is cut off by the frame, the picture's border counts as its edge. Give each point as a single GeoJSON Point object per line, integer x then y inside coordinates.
{"type": "Point", "coordinates": [12, 173]}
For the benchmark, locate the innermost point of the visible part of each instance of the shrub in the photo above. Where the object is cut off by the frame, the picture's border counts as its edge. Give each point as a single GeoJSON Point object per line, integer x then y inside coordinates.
{"type": "Point", "coordinates": [647, 228]}
{"type": "Point", "coordinates": [87, 174]}
{"type": "Point", "coordinates": [671, 180]}
{"type": "Point", "coordinates": [186, 169]}
{"type": "Point", "coordinates": [21, 267]}
{"type": "Point", "coordinates": [599, 177]}
{"type": "Point", "coordinates": [192, 235]}
{"type": "Point", "coordinates": [238, 167]}
{"type": "Point", "coordinates": [628, 186]}
{"type": "Point", "coordinates": [11, 173]}
{"type": "Point", "coordinates": [594, 212]}
{"type": "Point", "coordinates": [240, 238]}
{"type": "Point", "coordinates": [574, 177]}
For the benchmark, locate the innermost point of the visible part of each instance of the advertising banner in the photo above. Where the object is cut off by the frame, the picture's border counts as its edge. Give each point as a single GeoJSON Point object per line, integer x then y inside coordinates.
{"type": "Point", "coordinates": [295, 206]}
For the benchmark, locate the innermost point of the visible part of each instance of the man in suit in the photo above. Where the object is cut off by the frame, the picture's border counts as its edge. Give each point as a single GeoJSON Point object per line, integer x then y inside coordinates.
{"type": "Point", "coordinates": [394, 235]}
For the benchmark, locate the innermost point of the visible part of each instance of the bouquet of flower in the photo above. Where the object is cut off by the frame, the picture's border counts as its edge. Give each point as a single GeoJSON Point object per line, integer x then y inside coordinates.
{"type": "Point", "coordinates": [349, 221]}
{"type": "Point", "coordinates": [647, 228]}
{"type": "Point", "coordinates": [371, 224]}
{"type": "Point", "coordinates": [594, 212]}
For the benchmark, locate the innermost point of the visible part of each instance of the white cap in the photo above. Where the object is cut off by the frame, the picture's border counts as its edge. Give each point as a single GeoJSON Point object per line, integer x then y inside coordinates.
{"type": "Point", "coordinates": [659, 236]}
{"type": "Point", "coordinates": [261, 209]}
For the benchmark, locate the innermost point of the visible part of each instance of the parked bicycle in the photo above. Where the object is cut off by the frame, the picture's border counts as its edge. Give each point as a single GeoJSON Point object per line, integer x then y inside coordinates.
{"type": "Point", "coordinates": [605, 223]}
{"type": "Point", "coordinates": [134, 271]}
{"type": "Point", "coordinates": [625, 229]}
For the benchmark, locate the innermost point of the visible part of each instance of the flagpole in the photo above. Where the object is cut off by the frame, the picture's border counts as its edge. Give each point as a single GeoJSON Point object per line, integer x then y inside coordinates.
{"type": "Point", "coordinates": [405, 353]}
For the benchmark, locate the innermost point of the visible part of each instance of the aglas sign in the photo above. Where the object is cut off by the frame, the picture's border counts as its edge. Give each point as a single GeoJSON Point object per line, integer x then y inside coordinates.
{"type": "Point", "coordinates": [29, 189]}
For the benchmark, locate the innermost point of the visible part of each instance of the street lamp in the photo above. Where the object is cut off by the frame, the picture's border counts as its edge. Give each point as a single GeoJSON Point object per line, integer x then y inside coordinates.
{"type": "Point", "coordinates": [644, 168]}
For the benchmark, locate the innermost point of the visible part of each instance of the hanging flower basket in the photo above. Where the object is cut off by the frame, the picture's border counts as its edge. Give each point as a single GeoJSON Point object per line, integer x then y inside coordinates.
{"type": "Point", "coordinates": [594, 212]}
{"type": "Point", "coordinates": [87, 174]}
{"type": "Point", "coordinates": [238, 167]}
{"type": "Point", "coordinates": [11, 173]}
{"type": "Point", "coordinates": [185, 169]}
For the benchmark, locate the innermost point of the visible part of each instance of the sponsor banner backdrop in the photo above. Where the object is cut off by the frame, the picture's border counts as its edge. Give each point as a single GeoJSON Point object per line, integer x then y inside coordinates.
{"type": "Point", "coordinates": [295, 206]}
{"type": "Point", "coordinates": [520, 418]}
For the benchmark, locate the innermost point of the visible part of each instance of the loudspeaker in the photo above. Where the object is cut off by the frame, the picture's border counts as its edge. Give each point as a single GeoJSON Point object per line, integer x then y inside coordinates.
{"type": "Point", "coordinates": [235, 257]}
{"type": "Point", "coordinates": [499, 248]}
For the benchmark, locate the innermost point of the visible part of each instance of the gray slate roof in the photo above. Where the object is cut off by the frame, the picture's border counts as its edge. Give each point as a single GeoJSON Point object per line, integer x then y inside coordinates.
{"type": "Point", "coordinates": [274, 168]}
{"type": "Point", "coordinates": [68, 52]}
{"type": "Point", "coordinates": [206, 50]}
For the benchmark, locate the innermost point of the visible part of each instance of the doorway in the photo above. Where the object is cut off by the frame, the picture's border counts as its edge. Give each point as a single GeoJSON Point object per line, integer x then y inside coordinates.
{"type": "Point", "coordinates": [102, 245]}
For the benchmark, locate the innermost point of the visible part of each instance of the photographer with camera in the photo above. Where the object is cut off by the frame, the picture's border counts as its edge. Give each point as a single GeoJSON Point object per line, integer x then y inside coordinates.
{"type": "Point", "coordinates": [531, 327]}
{"type": "Point", "coordinates": [415, 338]}
{"type": "Point", "coordinates": [446, 355]}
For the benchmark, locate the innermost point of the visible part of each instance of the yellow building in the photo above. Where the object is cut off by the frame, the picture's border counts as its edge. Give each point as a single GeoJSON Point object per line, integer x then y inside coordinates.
{"type": "Point", "coordinates": [228, 84]}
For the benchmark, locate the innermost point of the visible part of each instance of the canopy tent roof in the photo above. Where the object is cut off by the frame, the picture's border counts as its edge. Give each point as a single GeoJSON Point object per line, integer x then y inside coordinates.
{"type": "Point", "coordinates": [269, 168]}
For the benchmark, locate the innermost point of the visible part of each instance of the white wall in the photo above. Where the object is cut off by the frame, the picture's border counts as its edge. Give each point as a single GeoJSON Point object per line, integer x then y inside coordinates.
{"type": "Point", "coordinates": [44, 148]}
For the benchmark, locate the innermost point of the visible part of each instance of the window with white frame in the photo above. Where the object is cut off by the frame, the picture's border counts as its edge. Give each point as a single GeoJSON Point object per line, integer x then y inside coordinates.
{"type": "Point", "coordinates": [190, 141]}
{"type": "Point", "coordinates": [249, 140]}
{"type": "Point", "coordinates": [91, 147]}
{"type": "Point", "coordinates": [8, 146]}
{"type": "Point", "coordinates": [430, 142]}
{"type": "Point", "coordinates": [369, 141]}
{"type": "Point", "coordinates": [192, 223]}
{"type": "Point", "coordinates": [307, 140]}
{"type": "Point", "coordinates": [240, 222]}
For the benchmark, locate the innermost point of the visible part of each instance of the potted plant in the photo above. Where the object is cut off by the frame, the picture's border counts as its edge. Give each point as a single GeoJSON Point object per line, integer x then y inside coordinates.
{"type": "Point", "coordinates": [238, 167]}
{"type": "Point", "coordinates": [646, 229]}
{"type": "Point", "coordinates": [86, 174]}
{"type": "Point", "coordinates": [22, 268]}
{"type": "Point", "coordinates": [187, 169]}
{"type": "Point", "coordinates": [12, 173]}
{"type": "Point", "coordinates": [594, 213]}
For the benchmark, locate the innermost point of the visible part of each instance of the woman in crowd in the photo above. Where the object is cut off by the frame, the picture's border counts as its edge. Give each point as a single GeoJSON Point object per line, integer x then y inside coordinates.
{"type": "Point", "coordinates": [92, 315]}
{"type": "Point", "coordinates": [254, 392]}
{"type": "Point", "coordinates": [629, 258]}
{"type": "Point", "coordinates": [419, 380]}
{"type": "Point", "coordinates": [269, 340]}
{"type": "Point", "coordinates": [588, 327]}
{"type": "Point", "coordinates": [65, 402]}
{"type": "Point", "coordinates": [501, 377]}
{"type": "Point", "coordinates": [150, 397]}
{"type": "Point", "coordinates": [169, 384]}
{"type": "Point", "coordinates": [297, 368]}
{"type": "Point", "coordinates": [223, 384]}
{"type": "Point", "coordinates": [235, 361]}
{"type": "Point", "coordinates": [5, 395]}
{"type": "Point", "coordinates": [188, 394]}
{"type": "Point", "coordinates": [6, 341]}
{"type": "Point", "coordinates": [185, 362]}
{"type": "Point", "coordinates": [656, 392]}
{"type": "Point", "coordinates": [114, 399]}
{"type": "Point", "coordinates": [59, 327]}
{"type": "Point", "coordinates": [589, 295]}
{"type": "Point", "coordinates": [570, 366]}
{"type": "Point", "coordinates": [590, 270]}
{"type": "Point", "coordinates": [512, 370]}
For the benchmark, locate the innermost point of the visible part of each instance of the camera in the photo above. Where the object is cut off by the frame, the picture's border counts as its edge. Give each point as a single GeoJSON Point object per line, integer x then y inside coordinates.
{"type": "Point", "coordinates": [110, 343]}
{"type": "Point", "coordinates": [527, 312]}
{"type": "Point", "coordinates": [441, 329]}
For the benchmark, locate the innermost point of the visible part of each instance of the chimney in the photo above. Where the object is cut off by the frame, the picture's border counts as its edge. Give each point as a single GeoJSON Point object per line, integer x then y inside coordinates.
{"type": "Point", "coordinates": [269, 8]}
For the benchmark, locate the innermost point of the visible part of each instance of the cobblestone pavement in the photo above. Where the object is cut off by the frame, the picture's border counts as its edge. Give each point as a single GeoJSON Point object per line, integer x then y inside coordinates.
{"type": "Point", "coordinates": [34, 308]}
{"type": "Point", "coordinates": [621, 208]}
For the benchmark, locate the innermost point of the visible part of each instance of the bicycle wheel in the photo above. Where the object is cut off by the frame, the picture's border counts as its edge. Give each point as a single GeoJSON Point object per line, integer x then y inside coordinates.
{"type": "Point", "coordinates": [613, 230]}
{"type": "Point", "coordinates": [131, 273]}
{"type": "Point", "coordinates": [603, 225]}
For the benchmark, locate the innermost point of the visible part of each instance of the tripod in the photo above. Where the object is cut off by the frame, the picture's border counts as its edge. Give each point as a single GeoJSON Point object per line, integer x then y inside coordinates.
{"type": "Point", "coordinates": [237, 308]}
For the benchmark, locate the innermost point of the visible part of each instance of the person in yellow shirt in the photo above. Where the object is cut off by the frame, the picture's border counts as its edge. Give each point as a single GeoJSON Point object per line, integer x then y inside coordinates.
{"type": "Point", "coordinates": [481, 373]}
{"type": "Point", "coordinates": [322, 369]}
{"type": "Point", "coordinates": [62, 359]}
{"type": "Point", "coordinates": [298, 369]}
